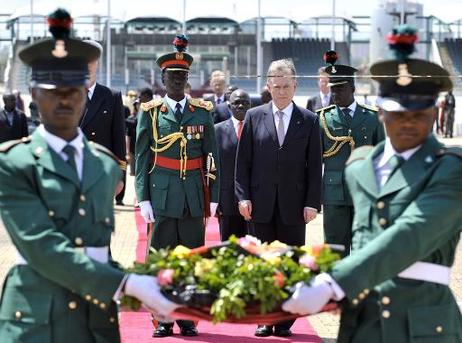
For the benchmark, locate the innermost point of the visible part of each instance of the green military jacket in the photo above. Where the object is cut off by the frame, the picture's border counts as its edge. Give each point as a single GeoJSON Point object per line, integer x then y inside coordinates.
{"type": "Point", "coordinates": [169, 191]}
{"type": "Point", "coordinates": [364, 129]}
{"type": "Point", "coordinates": [414, 217]}
{"type": "Point", "coordinates": [58, 294]}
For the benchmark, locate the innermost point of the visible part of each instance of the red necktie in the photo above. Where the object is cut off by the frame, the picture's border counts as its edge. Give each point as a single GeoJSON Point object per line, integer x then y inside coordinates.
{"type": "Point", "coordinates": [240, 125]}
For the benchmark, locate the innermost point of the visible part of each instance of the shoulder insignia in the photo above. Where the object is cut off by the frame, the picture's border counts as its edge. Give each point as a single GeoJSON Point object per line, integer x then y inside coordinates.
{"type": "Point", "coordinates": [359, 153]}
{"type": "Point", "coordinates": [207, 105]}
{"type": "Point", "coordinates": [325, 108]}
{"type": "Point", "coordinates": [454, 151]}
{"type": "Point", "coordinates": [146, 106]}
{"type": "Point", "coordinates": [370, 108]}
{"type": "Point", "coordinates": [122, 164]}
{"type": "Point", "coordinates": [5, 147]}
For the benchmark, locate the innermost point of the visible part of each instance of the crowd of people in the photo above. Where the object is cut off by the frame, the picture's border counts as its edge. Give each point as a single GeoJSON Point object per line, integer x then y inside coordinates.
{"type": "Point", "coordinates": [389, 199]}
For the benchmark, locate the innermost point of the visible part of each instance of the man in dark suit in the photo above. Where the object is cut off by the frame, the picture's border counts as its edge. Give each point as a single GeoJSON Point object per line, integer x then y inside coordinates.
{"type": "Point", "coordinates": [103, 120]}
{"type": "Point", "coordinates": [228, 134]}
{"type": "Point", "coordinates": [218, 85]}
{"type": "Point", "coordinates": [13, 122]}
{"type": "Point", "coordinates": [223, 111]}
{"type": "Point", "coordinates": [324, 98]}
{"type": "Point", "coordinates": [278, 168]}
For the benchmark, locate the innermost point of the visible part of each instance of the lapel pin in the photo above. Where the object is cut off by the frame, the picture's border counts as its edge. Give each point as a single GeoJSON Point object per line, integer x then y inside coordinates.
{"type": "Point", "coordinates": [299, 122]}
{"type": "Point", "coordinates": [428, 159]}
{"type": "Point", "coordinates": [38, 150]}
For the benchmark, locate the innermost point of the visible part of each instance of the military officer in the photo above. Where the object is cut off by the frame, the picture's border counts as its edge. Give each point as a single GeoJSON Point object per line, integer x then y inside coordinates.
{"type": "Point", "coordinates": [56, 192]}
{"type": "Point", "coordinates": [406, 193]}
{"type": "Point", "coordinates": [345, 126]}
{"type": "Point", "coordinates": [176, 159]}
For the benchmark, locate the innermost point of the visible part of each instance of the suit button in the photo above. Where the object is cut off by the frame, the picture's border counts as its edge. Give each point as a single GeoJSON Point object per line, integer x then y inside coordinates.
{"type": "Point", "coordinates": [81, 212]}
{"type": "Point", "coordinates": [112, 319]}
{"type": "Point", "coordinates": [95, 301]}
{"type": "Point", "coordinates": [78, 241]}
{"type": "Point", "coordinates": [102, 306]}
{"type": "Point", "coordinates": [93, 133]}
{"type": "Point", "coordinates": [439, 329]}
{"type": "Point", "coordinates": [107, 220]}
{"type": "Point", "coordinates": [386, 314]}
{"type": "Point", "coordinates": [366, 291]}
{"type": "Point", "coordinates": [386, 300]}
{"type": "Point", "coordinates": [51, 213]}
{"type": "Point", "coordinates": [355, 301]}
{"type": "Point", "coordinates": [88, 297]}
{"type": "Point", "coordinates": [18, 315]}
{"type": "Point", "coordinates": [72, 305]}
{"type": "Point", "coordinates": [380, 205]}
{"type": "Point", "coordinates": [82, 198]}
{"type": "Point", "coordinates": [382, 221]}
{"type": "Point", "coordinates": [361, 296]}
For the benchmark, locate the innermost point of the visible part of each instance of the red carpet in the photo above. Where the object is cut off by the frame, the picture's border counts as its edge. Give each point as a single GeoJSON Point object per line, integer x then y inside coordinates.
{"type": "Point", "coordinates": [137, 327]}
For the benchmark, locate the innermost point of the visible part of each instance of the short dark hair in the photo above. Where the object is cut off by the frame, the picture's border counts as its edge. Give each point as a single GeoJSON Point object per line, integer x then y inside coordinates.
{"type": "Point", "coordinates": [146, 92]}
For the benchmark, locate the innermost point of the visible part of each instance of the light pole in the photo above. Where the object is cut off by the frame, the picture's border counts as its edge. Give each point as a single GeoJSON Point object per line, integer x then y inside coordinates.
{"type": "Point", "coordinates": [108, 45]}
{"type": "Point", "coordinates": [259, 50]}
{"type": "Point", "coordinates": [31, 21]}
{"type": "Point", "coordinates": [332, 40]}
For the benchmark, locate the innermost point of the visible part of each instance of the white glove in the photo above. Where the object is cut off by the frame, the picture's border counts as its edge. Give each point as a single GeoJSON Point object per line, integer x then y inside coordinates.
{"type": "Point", "coordinates": [309, 299]}
{"type": "Point", "coordinates": [213, 209]}
{"type": "Point", "coordinates": [146, 211]}
{"type": "Point", "coordinates": [146, 289]}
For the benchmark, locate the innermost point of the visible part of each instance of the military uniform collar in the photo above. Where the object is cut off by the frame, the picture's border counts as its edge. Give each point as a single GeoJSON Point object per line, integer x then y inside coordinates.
{"type": "Point", "coordinates": [172, 103]}
{"type": "Point", "coordinates": [352, 108]}
{"type": "Point", "coordinates": [91, 91]}
{"type": "Point", "coordinates": [389, 152]}
{"type": "Point", "coordinates": [57, 144]}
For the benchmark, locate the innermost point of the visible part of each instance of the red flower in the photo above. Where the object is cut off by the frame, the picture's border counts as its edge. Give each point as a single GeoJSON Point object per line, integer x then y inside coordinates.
{"type": "Point", "coordinates": [165, 277]}
{"type": "Point", "coordinates": [278, 279]}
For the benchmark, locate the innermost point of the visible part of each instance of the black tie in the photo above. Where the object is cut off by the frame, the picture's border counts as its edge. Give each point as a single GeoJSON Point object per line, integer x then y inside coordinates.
{"type": "Point", "coordinates": [346, 114]}
{"type": "Point", "coordinates": [69, 150]}
{"type": "Point", "coordinates": [395, 162]}
{"type": "Point", "coordinates": [178, 113]}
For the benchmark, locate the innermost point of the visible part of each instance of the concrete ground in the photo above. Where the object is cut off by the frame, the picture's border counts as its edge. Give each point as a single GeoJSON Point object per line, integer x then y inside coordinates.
{"type": "Point", "coordinates": [125, 236]}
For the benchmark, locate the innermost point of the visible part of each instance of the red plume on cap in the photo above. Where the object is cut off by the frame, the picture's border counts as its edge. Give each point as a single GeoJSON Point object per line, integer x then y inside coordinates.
{"type": "Point", "coordinates": [330, 57]}
{"type": "Point", "coordinates": [59, 23]}
{"type": "Point", "coordinates": [181, 43]}
{"type": "Point", "coordinates": [402, 41]}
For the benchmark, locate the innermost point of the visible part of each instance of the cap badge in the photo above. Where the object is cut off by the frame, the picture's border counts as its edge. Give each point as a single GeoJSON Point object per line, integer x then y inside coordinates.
{"type": "Point", "coordinates": [179, 55]}
{"type": "Point", "coordinates": [60, 49]}
{"type": "Point", "coordinates": [333, 70]}
{"type": "Point", "coordinates": [404, 77]}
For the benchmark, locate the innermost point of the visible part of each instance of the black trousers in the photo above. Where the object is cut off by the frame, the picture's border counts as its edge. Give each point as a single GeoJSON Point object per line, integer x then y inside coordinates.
{"type": "Point", "coordinates": [232, 225]}
{"type": "Point", "coordinates": [120, 197]}
{"type": "Point", "coordinates": [277, 230]}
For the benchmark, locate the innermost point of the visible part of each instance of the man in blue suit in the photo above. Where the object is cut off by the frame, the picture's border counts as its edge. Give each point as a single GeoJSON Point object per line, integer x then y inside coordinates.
{"type": "Point", "coordinates": [228, 134]}
{"type": "Point", "coordinates": [278, 168]}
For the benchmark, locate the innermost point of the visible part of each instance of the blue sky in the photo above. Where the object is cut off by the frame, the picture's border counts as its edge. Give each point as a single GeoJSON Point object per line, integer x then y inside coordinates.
{"type": "Point", "coordinates": [447, 10]}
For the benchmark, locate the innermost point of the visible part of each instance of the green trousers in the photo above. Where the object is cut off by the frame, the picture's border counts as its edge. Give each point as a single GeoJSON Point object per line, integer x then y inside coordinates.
{"type": "Point", "coordinates": [170, 232]}
{"type": "Point", "coordinates": [337, 225]}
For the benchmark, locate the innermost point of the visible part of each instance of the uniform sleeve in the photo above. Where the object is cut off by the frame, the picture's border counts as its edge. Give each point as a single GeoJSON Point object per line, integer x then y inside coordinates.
{"type": "Point", "coordinates": [423, 227]}
{"type": "Point", "coordinates": [244, 161]}
{"type": "Point", "coordinates": [143, 156]}
{"type": "Point", "coordinates": [210, 146]}
{"type": "Point", "coordinates": [46, 249]}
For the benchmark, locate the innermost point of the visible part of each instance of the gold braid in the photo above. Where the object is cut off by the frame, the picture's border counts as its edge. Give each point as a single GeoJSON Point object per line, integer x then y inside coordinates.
{"type": "Point", "coordinates": [338, 141]}
{"type": "Point", "coordinates": [168, 141]}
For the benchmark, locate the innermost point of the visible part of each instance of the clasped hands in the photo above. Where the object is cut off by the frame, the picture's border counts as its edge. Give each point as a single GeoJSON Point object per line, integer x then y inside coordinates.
{"type": "Point", "coordinates": [245, 209]}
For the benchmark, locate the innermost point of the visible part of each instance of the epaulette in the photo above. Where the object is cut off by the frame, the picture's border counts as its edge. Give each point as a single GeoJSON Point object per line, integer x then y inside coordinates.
{"type": "Point", "coordinates": [146, 106]}
{"type": "Point", "coordinates": [122, 164]}
{"type": "Point", "coordinates": [325, 108]}
{"type": "Point", "coordinates": [359, 153]}
{"type": "Point", "coordinates": [370, 108]}
{"type": "Point", "coordinates": [454, 151]}
{"type": "Point", "coordinates": [207, 105]}
{"type": "Point", "coordinates": [5, 147]}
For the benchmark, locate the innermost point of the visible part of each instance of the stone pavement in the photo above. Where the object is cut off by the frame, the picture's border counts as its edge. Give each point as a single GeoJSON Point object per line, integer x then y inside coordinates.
{"type": "Point", "coordinates": [125, 237]}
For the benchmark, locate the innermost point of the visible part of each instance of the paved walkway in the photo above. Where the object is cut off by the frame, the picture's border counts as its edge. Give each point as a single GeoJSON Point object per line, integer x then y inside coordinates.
{"type": "Point", "coordinates": [125, 237]}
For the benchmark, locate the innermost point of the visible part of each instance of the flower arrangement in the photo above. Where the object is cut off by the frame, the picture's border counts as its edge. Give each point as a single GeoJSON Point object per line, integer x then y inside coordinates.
{"type": "Point", "coordinates": [232, 280]}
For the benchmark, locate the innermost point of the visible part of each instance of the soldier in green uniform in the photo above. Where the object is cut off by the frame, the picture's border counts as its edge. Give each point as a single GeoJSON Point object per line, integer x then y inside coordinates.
{"type": "Point", "coordinates": [345, 126]}
{"type": "Point", "coordinates": [56, 202]}
{"type": "Point", "coordinates": [406, 193]}
{"type": "Point", "coordinates": [176, 157]}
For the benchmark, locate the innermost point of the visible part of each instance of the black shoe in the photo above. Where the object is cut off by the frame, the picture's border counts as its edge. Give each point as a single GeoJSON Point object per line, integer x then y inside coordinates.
{"type": "Point", "coordinates": [264, 331]}
{"type": "Point", "coordinates": [119, 202]}
{"type": "Point", "coordinates": [163, 331]}
{"type": "Point", "coordinates": [189, 331]}
{"type": "Point", "coordinates": [282, 332]}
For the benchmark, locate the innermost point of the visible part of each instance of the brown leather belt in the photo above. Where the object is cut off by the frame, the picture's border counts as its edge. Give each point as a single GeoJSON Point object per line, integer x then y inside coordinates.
{"type": "Point", "coordinates": [172, 163]}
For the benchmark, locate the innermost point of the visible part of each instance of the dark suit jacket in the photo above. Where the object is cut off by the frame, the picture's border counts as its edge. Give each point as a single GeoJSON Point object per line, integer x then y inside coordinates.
{"type": "Point", "coordinates": [17, 130]}
{"type": "Point", "coordinates": [104, 120]}
{"type": "Point", "coordinates": [292, 172]}
{"type": "Point", "coordinates": [221, 113]}
{"type": "Point", "coordinates": [315, 103]}
{"type": "Point", "coordinates": [227, 147]}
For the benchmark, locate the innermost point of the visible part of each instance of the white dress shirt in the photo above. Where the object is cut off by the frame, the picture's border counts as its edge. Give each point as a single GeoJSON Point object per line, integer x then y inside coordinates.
{"type": "Point", "coordinates": [222, 99]}
{"type": "Point", "coordinates": [381, 166]}
{"type": "Point", "coordinates": [172, 103]}
{"type": "Point", "coordinates": [91, 90]}
{"type": "Point", "coordinates": [57, 144]}
{"type": "Point", "coordinates": [285, 118]}
{"type": "Point", "coordinates": [325, 99]}
{"type": "Point", "coordinates": [352, 108]}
